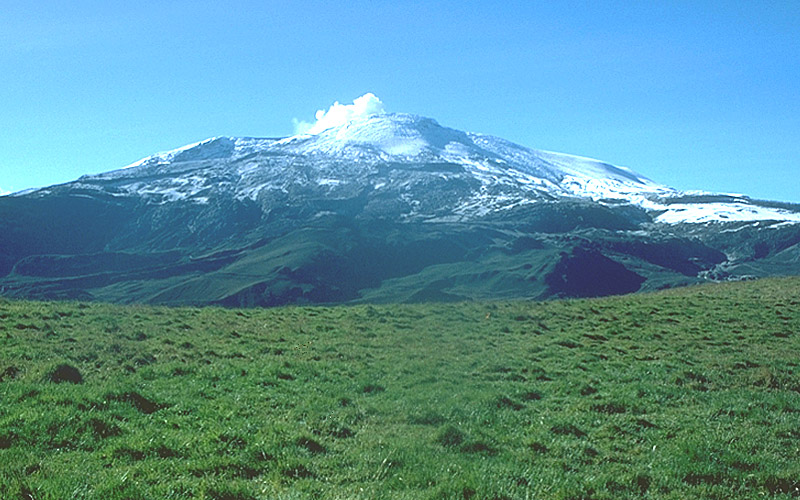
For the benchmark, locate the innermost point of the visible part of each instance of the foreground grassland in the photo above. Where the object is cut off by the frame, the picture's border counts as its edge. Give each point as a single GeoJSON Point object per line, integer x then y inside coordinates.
{"type": "Point", "coordinates": [690, 393]}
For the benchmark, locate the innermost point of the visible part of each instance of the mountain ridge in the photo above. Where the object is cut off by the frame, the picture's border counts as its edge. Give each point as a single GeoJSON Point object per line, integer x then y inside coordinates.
{"type": "Point", "coordinates": [380, 207]}
{"type": "Point", "coordinates": [534, 170]}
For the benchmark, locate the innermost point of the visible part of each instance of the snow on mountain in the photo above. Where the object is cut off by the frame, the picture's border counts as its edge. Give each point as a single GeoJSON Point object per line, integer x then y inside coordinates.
{"type": "Point", "coordinates": [214, 147]}
{"type": "Point", "coordinates": [350, 146]}
{"type": "Point", "coordinates": [698, 213]}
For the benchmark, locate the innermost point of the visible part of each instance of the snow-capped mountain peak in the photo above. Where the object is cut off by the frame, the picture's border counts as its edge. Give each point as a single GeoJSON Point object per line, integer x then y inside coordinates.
{"type": "Point", "coordinates": [370, 205]}
{"type": "Point", "coordinates": [356, 147]}
{"type": "Point", "coordinates": [395, 134]}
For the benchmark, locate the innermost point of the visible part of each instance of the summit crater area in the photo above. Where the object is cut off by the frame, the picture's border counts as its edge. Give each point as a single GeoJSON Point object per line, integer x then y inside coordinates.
{"type": "Point", "coordinates": [370, 206]}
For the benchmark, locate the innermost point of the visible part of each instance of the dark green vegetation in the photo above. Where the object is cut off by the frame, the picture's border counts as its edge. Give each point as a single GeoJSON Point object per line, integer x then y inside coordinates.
{"type": "Point", "coordinates": [73, 243]}
{"type": "Point", "coordinates": [689, 393]}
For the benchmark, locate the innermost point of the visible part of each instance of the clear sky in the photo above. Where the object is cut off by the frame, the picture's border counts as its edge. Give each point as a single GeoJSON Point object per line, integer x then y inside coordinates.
{"type": "Point", "coordinates": [693, 94]}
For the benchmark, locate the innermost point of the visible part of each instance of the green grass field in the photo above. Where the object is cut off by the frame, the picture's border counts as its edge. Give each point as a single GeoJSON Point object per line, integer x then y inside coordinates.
{"type": "Point", "coordinates": [687, 393]}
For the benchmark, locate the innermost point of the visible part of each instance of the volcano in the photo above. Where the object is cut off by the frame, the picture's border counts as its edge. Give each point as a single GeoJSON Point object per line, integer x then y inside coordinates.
{"type": "Point", "coordinates": [378, 207]}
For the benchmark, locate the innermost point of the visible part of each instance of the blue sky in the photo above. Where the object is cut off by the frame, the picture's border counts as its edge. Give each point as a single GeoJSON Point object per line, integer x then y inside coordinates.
{"type": "Point", "coordinates": [696, 95]}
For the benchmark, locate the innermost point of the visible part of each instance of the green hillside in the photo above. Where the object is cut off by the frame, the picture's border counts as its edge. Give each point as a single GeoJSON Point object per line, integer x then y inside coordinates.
{"type": "Point", "coordinates": [687, 393]}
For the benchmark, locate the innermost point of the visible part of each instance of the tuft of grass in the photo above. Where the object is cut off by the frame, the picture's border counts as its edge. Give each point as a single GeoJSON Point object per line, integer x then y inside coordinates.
{"type": "Point", "coordinates": [450, 436]}
{"type": "Point", "coordinates": [65, 373]}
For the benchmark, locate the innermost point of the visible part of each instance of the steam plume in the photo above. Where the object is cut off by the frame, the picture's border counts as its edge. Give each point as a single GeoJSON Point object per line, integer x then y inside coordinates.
{"type": "Point", "coordinates": [339, 114]}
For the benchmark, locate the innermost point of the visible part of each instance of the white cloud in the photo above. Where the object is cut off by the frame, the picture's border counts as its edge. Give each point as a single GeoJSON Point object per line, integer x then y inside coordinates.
{"type": "Point", "coordinates": [3, 192]}
{"type": "Point", "coordinates": [339, 114]}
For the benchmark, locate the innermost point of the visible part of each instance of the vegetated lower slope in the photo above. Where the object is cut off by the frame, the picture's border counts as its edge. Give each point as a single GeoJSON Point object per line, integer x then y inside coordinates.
{"type": "Point", "coordinates": [687, 393]}
{"type": "Point", "coordinates": [380, 208]}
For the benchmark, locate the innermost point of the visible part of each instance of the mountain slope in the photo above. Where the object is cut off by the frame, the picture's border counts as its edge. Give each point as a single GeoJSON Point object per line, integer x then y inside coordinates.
{"type": "Point", "coordinates": [381, 207]}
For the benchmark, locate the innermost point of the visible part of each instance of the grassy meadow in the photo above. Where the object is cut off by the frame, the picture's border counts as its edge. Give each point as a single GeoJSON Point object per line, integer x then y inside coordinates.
{"type": "Point", "coordinates": [682, 394]}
